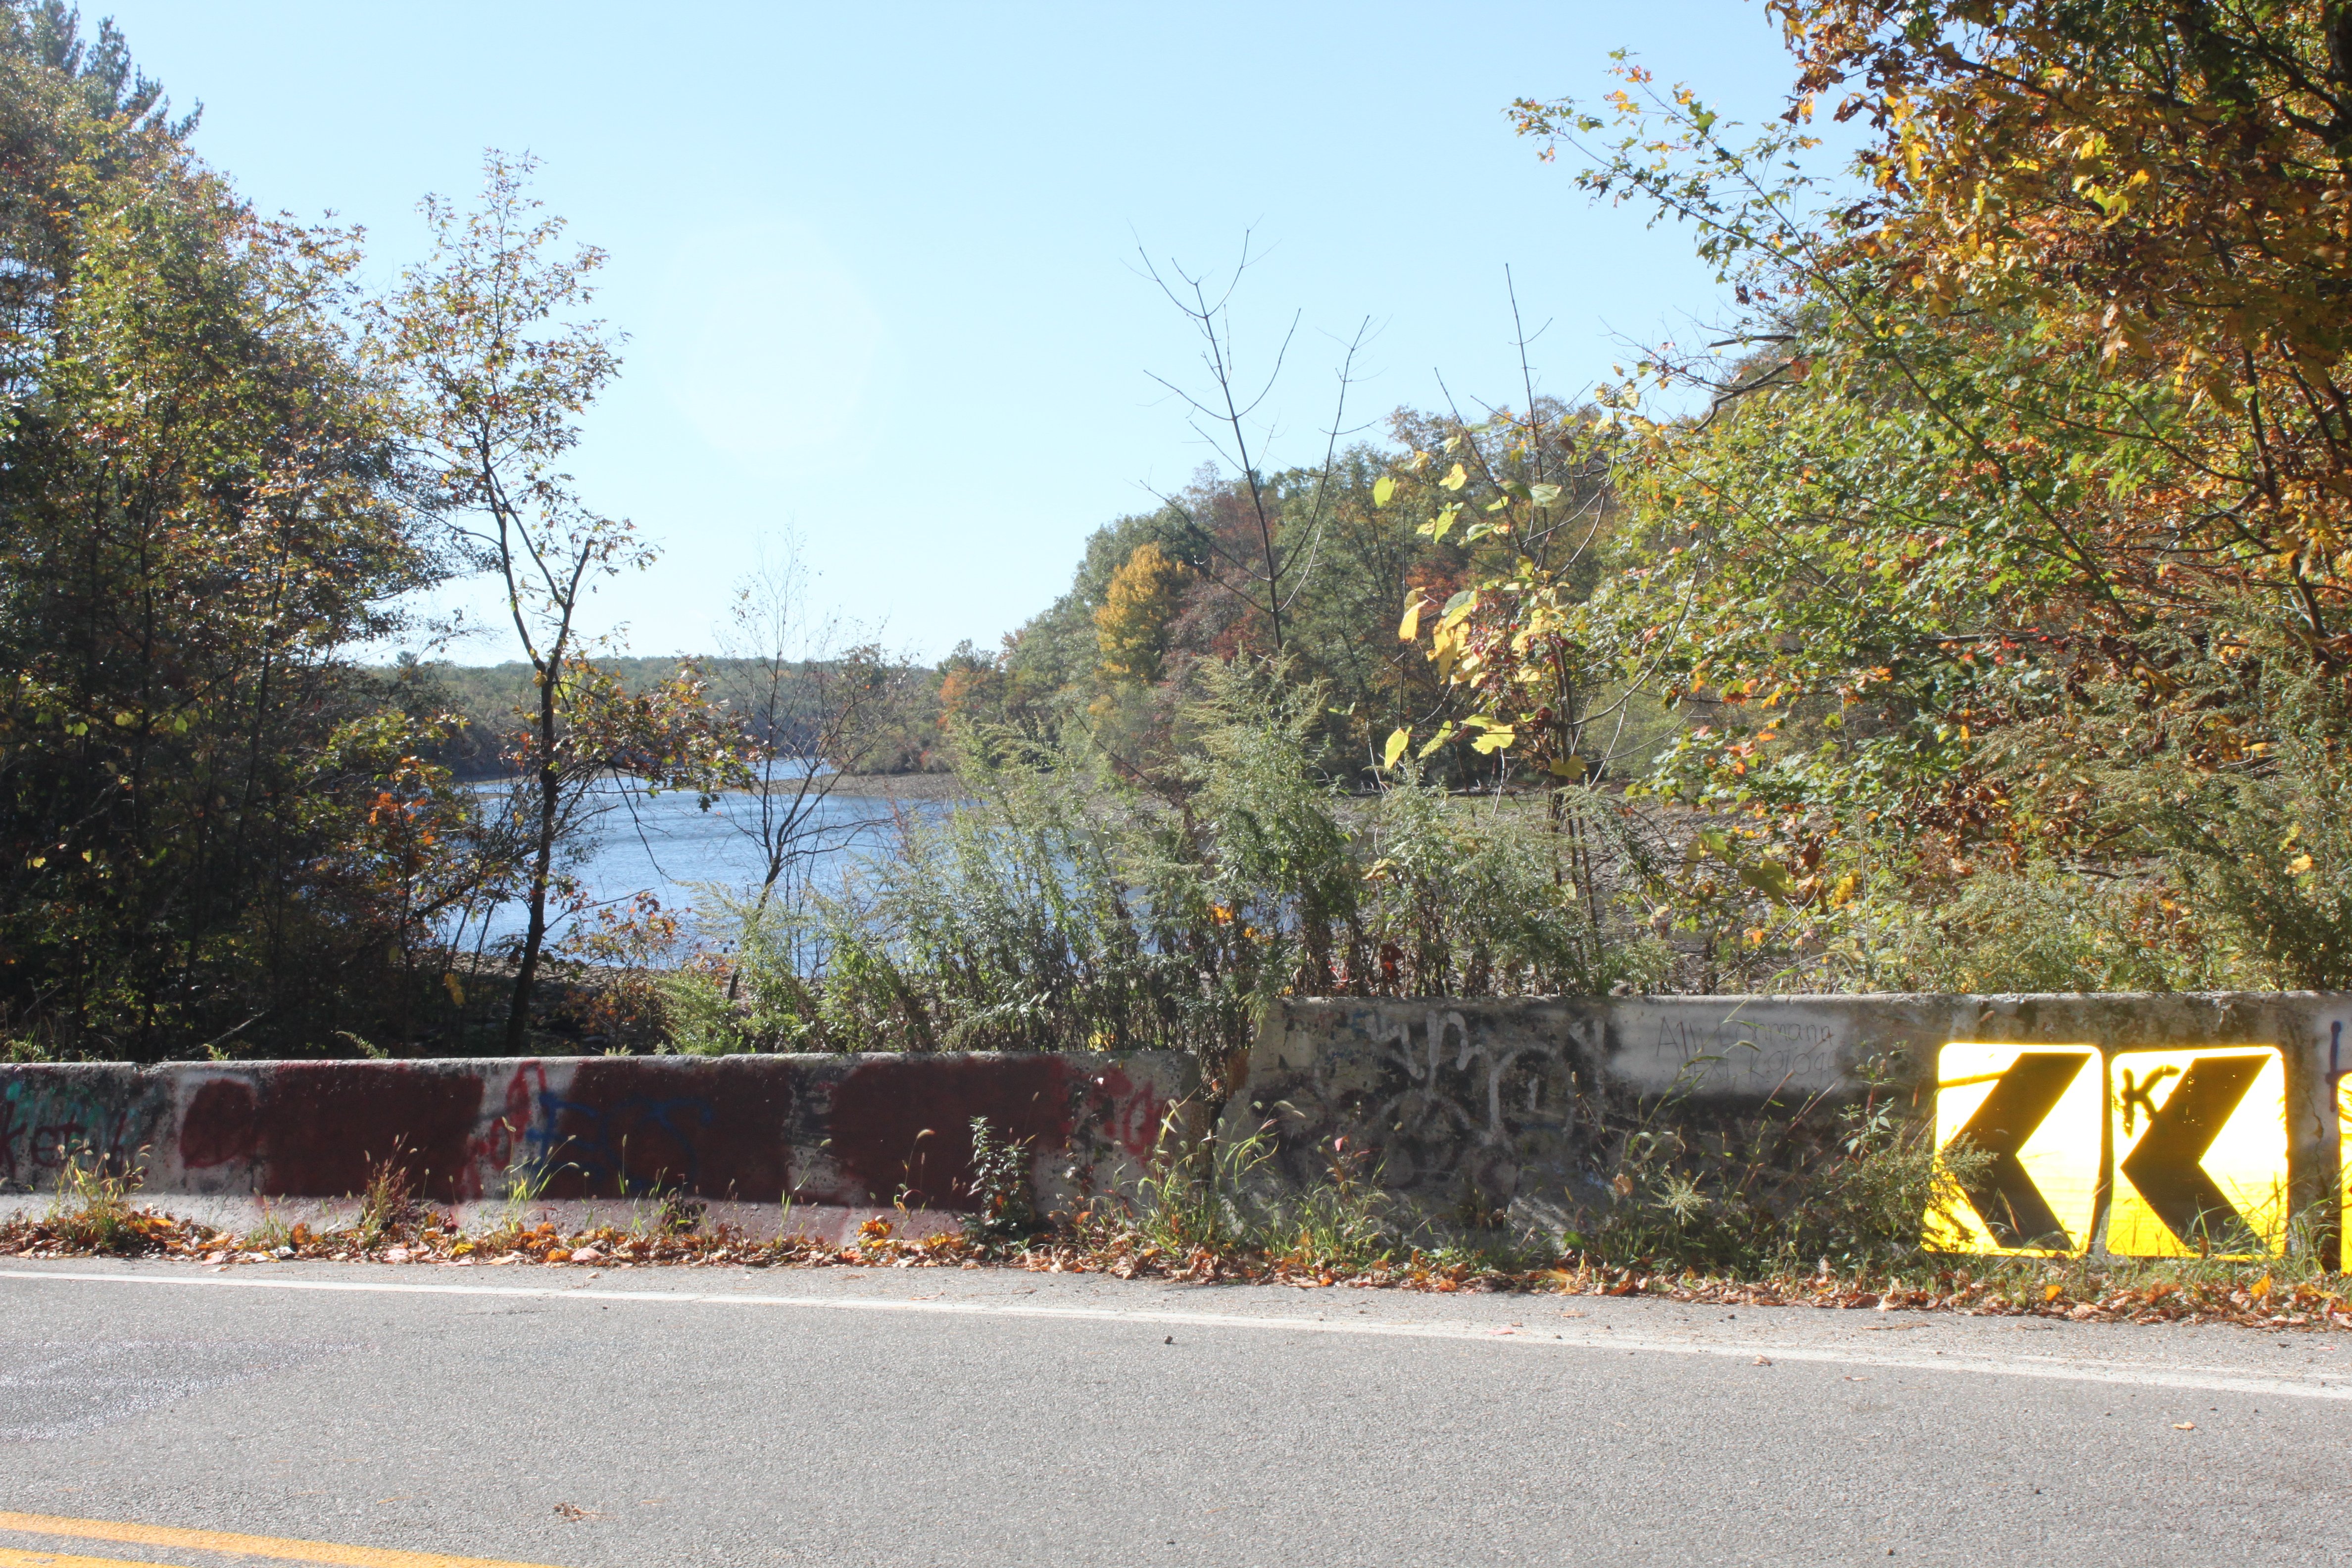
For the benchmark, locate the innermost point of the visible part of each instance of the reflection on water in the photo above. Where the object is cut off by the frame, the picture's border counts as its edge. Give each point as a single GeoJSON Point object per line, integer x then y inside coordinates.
{"type": "Point", "coordinates": [663, 844]}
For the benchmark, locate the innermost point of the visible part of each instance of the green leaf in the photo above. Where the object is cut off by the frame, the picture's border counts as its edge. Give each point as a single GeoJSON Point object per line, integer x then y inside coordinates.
{"type": "Point", "coordinates": [1543, 495]}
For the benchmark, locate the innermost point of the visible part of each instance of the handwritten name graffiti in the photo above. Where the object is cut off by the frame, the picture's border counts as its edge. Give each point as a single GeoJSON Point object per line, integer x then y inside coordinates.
{"type": "Point", "coordinates": [41, 1127]}
{"type": "Point", "coordinates": [1750, 1055]}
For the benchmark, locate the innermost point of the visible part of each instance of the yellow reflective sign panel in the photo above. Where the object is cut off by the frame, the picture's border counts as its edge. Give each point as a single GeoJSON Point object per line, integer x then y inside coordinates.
{"type": "Point", "coordinates": [2199, 1152]}
{"type": "Point", "coordinates": [2344, 1163]}
{"type": "Point", "coordinates": [2018, 1153]}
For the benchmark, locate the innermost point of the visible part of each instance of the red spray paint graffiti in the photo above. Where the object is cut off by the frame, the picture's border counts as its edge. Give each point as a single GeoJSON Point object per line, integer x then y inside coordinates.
{"type": "Point", "coordinates": [748, 1128]}
{"type": "Point", "coordinates": [906, 1123]}
{"type": "Point", "coordinates": [319, 1129]}
{"type": "Point", "coordinates": [1129, 1114]}
{"type": "Point", "coordinates": [221, 1124]}
{"type": "Point", "coordinates": [505, 1144]}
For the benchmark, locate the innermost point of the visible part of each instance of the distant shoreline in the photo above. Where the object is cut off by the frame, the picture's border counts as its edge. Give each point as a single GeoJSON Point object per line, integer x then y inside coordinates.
{"type": "Point", "coordinates": [901, 786]}
{"type": "Point", "coordinates": [862, 787]}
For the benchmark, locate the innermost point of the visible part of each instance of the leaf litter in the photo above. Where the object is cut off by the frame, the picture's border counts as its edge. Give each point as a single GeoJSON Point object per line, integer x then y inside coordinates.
{"type": "Point", "coordinates": [2080, 1291]}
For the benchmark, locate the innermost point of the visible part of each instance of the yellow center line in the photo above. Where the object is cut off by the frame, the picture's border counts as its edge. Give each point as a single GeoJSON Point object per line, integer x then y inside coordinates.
{"type": "Point", "coordinates": [316, 1551]}
{"type": "Point", "coordinates": [12, 1558]}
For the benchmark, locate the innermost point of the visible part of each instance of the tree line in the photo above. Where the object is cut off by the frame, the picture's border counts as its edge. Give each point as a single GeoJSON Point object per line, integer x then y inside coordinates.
{"type": "Point", "coordinates": [903, 735]}
{"type": "Point", "coordinates": [1969, 613]}
{"type": "Point", "coordinates": [226, 472]}
{"type": "Point", "coordinates": [1994, 554]}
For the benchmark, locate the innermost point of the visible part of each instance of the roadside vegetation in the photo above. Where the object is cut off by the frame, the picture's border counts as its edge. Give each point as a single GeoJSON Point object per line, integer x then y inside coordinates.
{"type": "Point", "coordinates": [1198, 1220]}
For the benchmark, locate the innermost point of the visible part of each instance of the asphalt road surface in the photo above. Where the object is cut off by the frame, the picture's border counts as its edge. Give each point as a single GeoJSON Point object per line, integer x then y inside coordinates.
{"type": "Point", "coordinates": [414, 1416]}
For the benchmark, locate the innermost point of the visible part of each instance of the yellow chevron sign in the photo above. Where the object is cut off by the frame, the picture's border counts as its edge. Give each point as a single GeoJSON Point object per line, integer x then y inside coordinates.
{"type": "Point", "coordinates": [2344, 1163]}
{"type": "Point", "coordinates": [2031, 1117]}
{"type": "Point", "coordinates": [2200, 1151]}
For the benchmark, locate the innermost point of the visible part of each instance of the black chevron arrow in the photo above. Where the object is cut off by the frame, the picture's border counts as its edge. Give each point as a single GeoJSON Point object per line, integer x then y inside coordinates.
{"type": "Point", "coordinates": [2000, 1192]}
{"type": "Point", "coordinates": [2165, 1166]}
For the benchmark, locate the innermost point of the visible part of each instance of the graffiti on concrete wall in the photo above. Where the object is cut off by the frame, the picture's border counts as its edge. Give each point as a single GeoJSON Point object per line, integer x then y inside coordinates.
{"type": "Point", "coordinates": [603, 1128]}
{"type": "Point", "coordinates": [74, 1113]}
{"type": "Point", "coordinates": [1459, 1110]}
{"type": "Point", "coordinates": [633, 1127]}
{"type": "Point", "coordinates": [322, 1129]}
{"type": "Point", "coordinates": [899, 1127]}
{"type": "Point", "coordinates": [751, 1128]}
{"type": "Point", "coordinates": [1745, 1055]}
{"type": "Point", "coordinates": [1129, 1112]}
{"type": "Point", "coordinates": [1467, 1100]}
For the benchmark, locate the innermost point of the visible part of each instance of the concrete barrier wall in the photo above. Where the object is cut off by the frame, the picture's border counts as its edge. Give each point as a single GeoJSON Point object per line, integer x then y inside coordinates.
{"type": "Point", "coordinates": [1508, 1104]}
{"type": "Point", "coordinates": [1511, 1104]}
{"type": "Point", "coordinates": [834, 1133]}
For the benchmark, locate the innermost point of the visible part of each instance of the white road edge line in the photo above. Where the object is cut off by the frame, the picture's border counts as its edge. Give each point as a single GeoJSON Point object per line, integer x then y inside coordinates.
{"type": "Point", "coordinates": [2213, 1380]}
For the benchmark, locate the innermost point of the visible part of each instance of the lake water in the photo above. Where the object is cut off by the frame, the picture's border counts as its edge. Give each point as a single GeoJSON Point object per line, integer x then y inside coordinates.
{"type": "Point", "coordinates": [665, 844]}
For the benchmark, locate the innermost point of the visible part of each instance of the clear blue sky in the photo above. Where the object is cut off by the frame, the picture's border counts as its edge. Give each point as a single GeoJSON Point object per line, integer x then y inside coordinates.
{"type": "Point", "coordinates": [877, 262]}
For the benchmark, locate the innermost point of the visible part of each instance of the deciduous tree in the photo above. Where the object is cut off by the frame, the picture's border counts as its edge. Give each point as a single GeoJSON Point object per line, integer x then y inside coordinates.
{"type": "Point", "coordinates": [497, 366]}
{"type": "Point", "coordinates": [197, 533]}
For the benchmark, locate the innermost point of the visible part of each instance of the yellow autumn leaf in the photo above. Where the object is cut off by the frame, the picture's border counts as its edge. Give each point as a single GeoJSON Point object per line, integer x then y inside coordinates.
{"type": "Point", "coordinates": [1398, 740]}
{"type": "Point", "coordinates": [1384, 488]}
{"type": "Point", "coordinates": [1445, 650]}
{"type": "Point", "coordinates": [1455, 477]}
{"type": "Point", "coordinates": [1409, 627]}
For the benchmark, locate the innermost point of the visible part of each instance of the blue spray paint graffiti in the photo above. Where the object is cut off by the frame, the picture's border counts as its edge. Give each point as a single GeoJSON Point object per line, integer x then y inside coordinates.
{"type": "Point", "coordinates": [631, 1147]}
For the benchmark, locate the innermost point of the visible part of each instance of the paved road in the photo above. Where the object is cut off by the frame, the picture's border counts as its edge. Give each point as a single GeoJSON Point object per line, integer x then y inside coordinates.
{"type": "Point", "coordinates": [644, 1417]}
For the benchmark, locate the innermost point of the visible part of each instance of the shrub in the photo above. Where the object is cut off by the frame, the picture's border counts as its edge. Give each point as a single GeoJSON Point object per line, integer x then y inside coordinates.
{"type": "Point", "coordinates": [1066, 906]}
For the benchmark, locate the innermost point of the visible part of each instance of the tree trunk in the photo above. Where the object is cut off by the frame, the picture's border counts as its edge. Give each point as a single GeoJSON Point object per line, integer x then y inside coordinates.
{"type": "Point", "coordinates": [542, 860]}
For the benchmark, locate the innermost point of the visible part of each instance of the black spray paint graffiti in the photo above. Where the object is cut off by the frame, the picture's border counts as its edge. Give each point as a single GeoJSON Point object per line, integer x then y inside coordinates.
{"type": "Point", "coordinates": [1458, 1109]}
